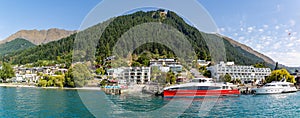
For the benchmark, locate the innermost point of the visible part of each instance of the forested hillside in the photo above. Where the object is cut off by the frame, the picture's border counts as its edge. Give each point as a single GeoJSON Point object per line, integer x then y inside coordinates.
{"type": "Point", "coordinates": [15, 45]}
{"type": "Point", "coordinates": [61, 50]}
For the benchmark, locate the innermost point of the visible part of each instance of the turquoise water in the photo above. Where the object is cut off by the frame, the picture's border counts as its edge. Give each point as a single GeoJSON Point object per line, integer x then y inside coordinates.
{"type": "Point", "coordinates": [34, 102]}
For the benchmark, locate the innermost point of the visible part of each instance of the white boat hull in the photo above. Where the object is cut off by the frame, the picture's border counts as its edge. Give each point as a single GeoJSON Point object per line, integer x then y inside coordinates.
{"type": "Point", "coordinates": [261, 91]}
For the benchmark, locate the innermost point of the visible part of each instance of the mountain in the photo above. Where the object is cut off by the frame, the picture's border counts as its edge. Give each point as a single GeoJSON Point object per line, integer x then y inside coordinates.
{"type": "Point", "coordinates": [15, 45]}
{"type": "Point", "coordinates": [250, 50]}
{"type": "Point", "coordinates": [61, 50]}
{"type": "Point", "coordinates": [39, 36]}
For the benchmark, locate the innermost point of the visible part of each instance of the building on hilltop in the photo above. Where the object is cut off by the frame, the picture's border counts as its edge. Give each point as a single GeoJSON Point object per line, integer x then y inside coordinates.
{"type": "Point", "coordinates": [203, 62]}
{"type": "Point", "coordinates": [166, 65]}
{"type": "Point", "coordinates": [244, 73]}
{"type": "Point", "coordinates": [175, 68]}
{"type": "Point", "coordinates": [163, 62]}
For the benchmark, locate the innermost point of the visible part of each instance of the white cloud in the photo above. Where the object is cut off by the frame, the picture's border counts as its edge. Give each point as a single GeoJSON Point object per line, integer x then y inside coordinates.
{"type": "Point", "coordinates": [229, 29]}
{"type": "Point", "coordinates": [290, 45]}
{"type": "Point", "coordinates": [235, 34]}
{"type": "Point", "coordinates": [250, 29]}
{"type": "Point", "coordinates": [287, 30]}
{"type": "Point", "coordinates": [263, 38]}
{"type": "Point", "coordinates": [293, 38]}
{"type": "Point", "coordinates": [277, 45]}
{"type": "Point", "coordinates": [278, 8]}
{"type": "Point", "coordinates": [294, 33]}
{"type": "Point", "coordinates": [287, 58]}
{"type": "Point", "coordinates": [221, 29]}
{"type": "Point", "coordinates": [259, 46]}
{"type": "Point", "coordinates": [292, 22]}
{"type": "Point", "coordinates": [241, 38]}
{"type": "Point", "coordinates": [267, 43]}
{"type": "Point", "coordinates": [272, 40]}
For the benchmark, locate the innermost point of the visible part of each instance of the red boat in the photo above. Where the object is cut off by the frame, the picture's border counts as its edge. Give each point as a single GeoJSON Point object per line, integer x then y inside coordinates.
{"type": "Point", "coordinates": [201, 87]}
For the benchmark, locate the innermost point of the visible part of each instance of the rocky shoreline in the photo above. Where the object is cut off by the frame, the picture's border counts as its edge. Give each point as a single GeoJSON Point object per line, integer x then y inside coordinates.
{"type": "Point", "coordinates": [33, 86]}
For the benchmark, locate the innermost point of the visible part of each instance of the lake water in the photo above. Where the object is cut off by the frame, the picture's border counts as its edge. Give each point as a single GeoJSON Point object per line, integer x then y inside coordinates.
{"type": "Point", "coordinates": [35, 102]}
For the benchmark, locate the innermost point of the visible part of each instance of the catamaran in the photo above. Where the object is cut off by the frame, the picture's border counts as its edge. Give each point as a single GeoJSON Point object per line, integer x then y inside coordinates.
{"type": "Point", "coordinates": [201, 87]}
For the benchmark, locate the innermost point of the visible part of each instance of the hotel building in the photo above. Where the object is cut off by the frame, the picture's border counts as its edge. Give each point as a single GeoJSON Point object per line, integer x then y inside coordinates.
{"type": "Point", "coordinates": [130, 75]}
{"type": "Point", "coordinates": [244, 73]}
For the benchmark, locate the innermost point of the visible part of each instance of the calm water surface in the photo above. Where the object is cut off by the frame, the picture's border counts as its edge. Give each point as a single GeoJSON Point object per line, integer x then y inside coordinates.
{"type": "Point", "coordinates": [34, 102]}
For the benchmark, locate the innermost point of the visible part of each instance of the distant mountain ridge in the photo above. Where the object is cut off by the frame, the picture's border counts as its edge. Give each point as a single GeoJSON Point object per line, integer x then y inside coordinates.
{"type": "Point", "coordinates": [38, 37]}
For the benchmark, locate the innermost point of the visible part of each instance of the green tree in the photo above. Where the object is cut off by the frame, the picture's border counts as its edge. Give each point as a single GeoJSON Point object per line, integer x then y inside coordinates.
{"type": "Point", "coordinates": [238, 81]}
{"type": "Point", "coordinates": [100, 71]}
{"type": "Point", "coordinates": [260, 65]}
{"type": "Point", "coordinates": [58, 73]}
{"type": "Point", "coordinates": [103, 82]}
{"type": "Point", "coordinates": [156, 51]}
{"type": "Point", "coordinates": [222, 78]}
{"type": "Point", "coordinates": [69, 78]}
{"type": "Point", "coordinates": [59, 81]}
{"type": "Point", "coordinates": [171, 78]}
{"type": "Point", "coordinates": [6, 72]}
{"type": "Point", "coordinates": [81, 74]}
{"type": "Point", "coordinates": [155, 72]}
{"type": "Point", "coordinates": [276, 66]}
{"type": "Point", "coordinates": [144, 59]}
{"type": "Point", "coordinates": [207, 73]}
{"type": "Point", "coordinates": [277, 75]}
{"type": "Point", "coordinates": [227, 78]}
{"type": "Point", "coordinates": [42, 83]}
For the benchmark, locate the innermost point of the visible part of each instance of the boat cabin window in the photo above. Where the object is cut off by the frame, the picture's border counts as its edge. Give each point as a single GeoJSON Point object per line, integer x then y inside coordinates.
{"type": "Point", "coordinates": [224, 87]}
{"type": "Point", "coordinates": [173, 88]}
{"type": "Point", "coordinates": [269, 85]}
{"type": "Point", "coordinates": [199, 80]}
{"type": "Point", "coordinates": [197, 88]}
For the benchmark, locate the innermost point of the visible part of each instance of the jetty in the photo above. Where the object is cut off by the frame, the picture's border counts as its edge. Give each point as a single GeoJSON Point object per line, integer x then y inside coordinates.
{"type": "Point", "coordinates": [112, 90]}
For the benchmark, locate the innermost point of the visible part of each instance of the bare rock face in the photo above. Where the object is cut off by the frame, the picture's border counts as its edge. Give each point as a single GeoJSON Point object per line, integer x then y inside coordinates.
{"type": "Point", "coordinates": [39, 36]}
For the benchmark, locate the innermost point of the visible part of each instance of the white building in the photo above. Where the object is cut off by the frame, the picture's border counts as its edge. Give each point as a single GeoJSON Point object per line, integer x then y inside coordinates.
{"type": "Point", "coordinates": [165, 65]}
{"type": "Point", "coordinates": [130, 75]}
{"type": "Point", "coordinates": [175, 68]}
{"type": "Point", "coordinates": [244, 73]}
{"type": "Point", "coordinates": [203, 62]}
{"type": "Point", "coordinates": [163, 62]}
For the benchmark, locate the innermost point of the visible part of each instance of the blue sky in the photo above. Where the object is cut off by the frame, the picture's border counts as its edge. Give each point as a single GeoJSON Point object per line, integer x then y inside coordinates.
{"type": "Point", "coordinates": [42, 14]}
{"type": "Point", "coordinates": [268, 26]}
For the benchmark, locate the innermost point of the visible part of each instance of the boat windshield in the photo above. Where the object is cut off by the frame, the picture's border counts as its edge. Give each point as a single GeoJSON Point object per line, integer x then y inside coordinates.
{"type": "Point", "coordinates": [269, 85]}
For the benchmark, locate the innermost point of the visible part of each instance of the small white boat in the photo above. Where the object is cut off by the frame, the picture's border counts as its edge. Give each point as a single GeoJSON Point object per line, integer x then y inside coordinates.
{"type": "Point", "coordinates": [276, 87]}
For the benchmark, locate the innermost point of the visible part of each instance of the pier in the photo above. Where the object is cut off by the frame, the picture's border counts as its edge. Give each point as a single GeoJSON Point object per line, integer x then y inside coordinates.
{"type": "Point", "coordinates": [112, 90]}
